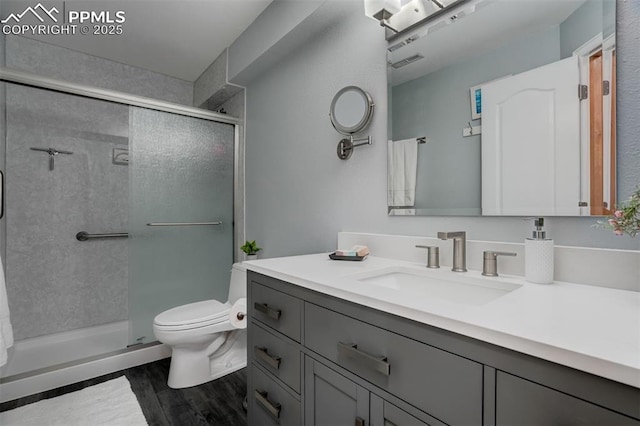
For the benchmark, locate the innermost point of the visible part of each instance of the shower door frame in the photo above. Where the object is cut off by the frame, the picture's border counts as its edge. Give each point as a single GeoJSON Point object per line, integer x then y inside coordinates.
{"type": "Point", "coordinates": [28, 79]}
{"type": "Point", "coordinates": [47, 378]}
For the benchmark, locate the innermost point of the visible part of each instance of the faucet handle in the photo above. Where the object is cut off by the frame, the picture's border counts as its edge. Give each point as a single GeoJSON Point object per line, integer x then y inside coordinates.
{"type": "Point", "coordinates": [492, 254]}
{"type": "Point", "coordinates": [490, 262]}
{"type": "Point", "coordinates": [433, 256]}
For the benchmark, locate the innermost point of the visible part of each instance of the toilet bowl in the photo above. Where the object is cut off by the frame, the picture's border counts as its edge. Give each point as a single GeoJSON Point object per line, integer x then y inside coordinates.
{"type": "Point", "coordinates": [204, 344]}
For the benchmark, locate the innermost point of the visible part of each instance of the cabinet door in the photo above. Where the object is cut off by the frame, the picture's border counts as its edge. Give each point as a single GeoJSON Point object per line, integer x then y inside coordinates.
{"type": "Point", "coordinates": [521, 402]}
{"type": "Point", "coordinates": [331, 399]}
{"type": "Point", "coordinates": [383, 413]}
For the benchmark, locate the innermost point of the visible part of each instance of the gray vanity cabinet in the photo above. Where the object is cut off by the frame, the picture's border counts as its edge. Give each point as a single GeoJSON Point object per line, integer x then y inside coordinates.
{"type": "Point", "coordinates": [316, 360]}
{"type": "Point", "coordinates": [331, 399]}
{"type": "Point", "coordinates": [270, 403]}
{"type": "Point", "coordinates": [521, 402]}
{"type": "Point", "coordinates": [424, 376]}
{"type": "Point", "coordinates": [277, 310]}
{"type": "Point", "coordinates": [384, 413]}
{"type": "Point", "coordinates": [274, 357]}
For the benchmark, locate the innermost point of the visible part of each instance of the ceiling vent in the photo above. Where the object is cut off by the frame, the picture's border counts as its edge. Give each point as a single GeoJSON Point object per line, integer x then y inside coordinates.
{"type": "Point", "coordinates": [403, 43]}
{"type": "Point", "coordinates": [406, 61]}
{"type": "Point", "coordinates": [396, 46]}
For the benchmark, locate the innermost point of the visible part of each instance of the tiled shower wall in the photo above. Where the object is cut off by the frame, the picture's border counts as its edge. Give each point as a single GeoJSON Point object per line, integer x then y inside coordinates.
{"type": "Point", "coordinates": [54, 282]}
{"type": "Point", "coordinates": [57, 62]}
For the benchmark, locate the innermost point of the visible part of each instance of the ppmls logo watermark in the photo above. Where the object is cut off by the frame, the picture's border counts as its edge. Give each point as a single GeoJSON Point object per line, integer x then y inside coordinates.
{"type": "Point", "coordinates": [40, 20]}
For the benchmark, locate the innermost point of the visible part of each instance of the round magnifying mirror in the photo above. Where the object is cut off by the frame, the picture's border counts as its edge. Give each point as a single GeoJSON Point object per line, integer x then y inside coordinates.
{"type": "Point", "coordinates": [351, 110]}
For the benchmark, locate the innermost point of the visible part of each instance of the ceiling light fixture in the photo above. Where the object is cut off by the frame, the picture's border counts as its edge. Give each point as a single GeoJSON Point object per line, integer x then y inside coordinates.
{"type": "Point", "coordinates": [382, 11]}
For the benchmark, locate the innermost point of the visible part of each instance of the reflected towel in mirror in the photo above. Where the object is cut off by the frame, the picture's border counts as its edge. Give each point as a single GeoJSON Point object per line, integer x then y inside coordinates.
{"type": "Point", "coordinates": [402, 167]}
{"type": "Point", "coordinates": [6, 332]}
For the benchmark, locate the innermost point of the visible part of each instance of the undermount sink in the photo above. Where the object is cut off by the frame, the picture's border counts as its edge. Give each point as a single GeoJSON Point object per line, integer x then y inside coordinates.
{"type": "Point", "coordinates": [441, 285]}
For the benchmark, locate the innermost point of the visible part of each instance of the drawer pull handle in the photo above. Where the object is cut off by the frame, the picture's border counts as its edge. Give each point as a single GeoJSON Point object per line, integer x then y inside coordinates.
{"type": "Point", "coordinates": [272, 407]}
{"type": "Point", "coordinates": [265, 309]}
{"type": "Point", "coordinates": [377, 363]}
{"type": "Point", "coordinates": [273, 361]}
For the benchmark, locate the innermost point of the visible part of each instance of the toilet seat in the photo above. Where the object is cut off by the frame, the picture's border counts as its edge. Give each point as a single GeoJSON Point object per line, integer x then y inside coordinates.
{"type": "Point", "coordinates": [193, 315]}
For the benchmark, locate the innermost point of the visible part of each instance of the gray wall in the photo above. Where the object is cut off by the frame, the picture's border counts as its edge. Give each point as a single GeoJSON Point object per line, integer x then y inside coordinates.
{"type": "Point", "coordinates": [51, 61]}
{"type": "Point", "coordinates": [628, 94]}
{"type": "Point", "coordinates": [276, 23]}
{"type": "Point", "coordinates": [299, 194]}
{"type": "Point", "coordinates": [437, 106]}
{"type": "Point", "coordinates": [211, 89]}
{"type": "Point", "coordinates": [581, 26]}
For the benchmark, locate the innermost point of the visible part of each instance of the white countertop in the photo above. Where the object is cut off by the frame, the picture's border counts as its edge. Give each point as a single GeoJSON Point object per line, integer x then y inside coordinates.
{"type": "Point", "coordinates": [593, 329]}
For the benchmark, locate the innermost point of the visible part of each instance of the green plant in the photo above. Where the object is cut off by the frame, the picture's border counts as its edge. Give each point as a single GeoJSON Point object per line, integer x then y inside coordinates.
{"type": "Point", "coordinates": [250, 247]}
{"type": "Point", "coordinates": [626, 219]}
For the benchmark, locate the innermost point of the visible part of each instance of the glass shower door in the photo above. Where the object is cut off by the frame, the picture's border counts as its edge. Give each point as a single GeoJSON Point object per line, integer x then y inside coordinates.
{"type": "Point", "coordinates": [181, 214]}
{"type": "Point", "coordinates": [67, 294]}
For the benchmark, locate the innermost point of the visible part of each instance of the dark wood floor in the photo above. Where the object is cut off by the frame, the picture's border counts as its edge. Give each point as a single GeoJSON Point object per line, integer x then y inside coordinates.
{"type": "Point", "coordinates": [215, 403]}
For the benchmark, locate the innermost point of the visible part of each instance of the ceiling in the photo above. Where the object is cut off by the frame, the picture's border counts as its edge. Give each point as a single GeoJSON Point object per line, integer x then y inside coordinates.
{"type": "Point", "coordinates": [179, 38]}
{"type": "Point", "coordinates": [492, 24]}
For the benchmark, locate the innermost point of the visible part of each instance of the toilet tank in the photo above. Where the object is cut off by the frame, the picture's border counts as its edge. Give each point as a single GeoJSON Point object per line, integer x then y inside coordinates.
{"type": "Point", "coordinates": [238, 283]}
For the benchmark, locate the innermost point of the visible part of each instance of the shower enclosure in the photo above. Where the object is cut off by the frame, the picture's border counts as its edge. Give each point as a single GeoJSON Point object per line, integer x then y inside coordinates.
{"type": "Point", "coordinates": [116, 208]}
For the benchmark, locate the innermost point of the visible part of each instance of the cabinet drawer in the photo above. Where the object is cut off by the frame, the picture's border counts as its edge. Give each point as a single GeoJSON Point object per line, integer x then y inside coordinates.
{"type": "Point", "coordinates": [441, 384]}
{"type": "Point", "coordinates": [270, 403]}
{"type": "Point", "coordinates": [277, 310]}
{"type": "Point", "coordinates": [522, 402]}
{"type": "Point", "coordinates": [278, 356]}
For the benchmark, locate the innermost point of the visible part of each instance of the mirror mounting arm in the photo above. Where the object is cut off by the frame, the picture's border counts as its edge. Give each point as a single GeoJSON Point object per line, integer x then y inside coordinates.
{"type": "Point", "coordinates": [345, 146]}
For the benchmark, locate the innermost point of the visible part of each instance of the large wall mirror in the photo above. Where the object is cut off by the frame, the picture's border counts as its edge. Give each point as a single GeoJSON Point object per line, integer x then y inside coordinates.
{"type": "Point", "coordinates": [504, 107]}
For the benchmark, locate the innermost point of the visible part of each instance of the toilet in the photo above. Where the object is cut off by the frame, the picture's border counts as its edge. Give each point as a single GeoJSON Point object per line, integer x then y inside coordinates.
{"type": "Point", "coordinates": [204, 344]}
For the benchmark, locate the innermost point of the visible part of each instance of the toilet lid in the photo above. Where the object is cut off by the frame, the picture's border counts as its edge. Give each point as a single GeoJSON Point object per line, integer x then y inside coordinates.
{"type": "Point", "coordinates": [207, 311]}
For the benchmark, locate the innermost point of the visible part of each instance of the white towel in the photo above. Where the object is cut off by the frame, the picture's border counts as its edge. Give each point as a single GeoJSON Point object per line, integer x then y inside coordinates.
{"type": "Point", "coordinates": [402, 164]}
{"type": "Point", "coordinates": [6, 332]}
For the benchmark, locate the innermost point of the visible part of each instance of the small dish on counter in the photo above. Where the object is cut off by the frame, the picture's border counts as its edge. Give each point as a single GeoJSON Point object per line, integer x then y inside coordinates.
{"type": "Point", "coordinates": [334, 256]}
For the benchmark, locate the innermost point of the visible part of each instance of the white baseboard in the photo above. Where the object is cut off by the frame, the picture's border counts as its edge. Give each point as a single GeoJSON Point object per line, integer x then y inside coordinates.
{"type": "Point", "coordinates": [23, 385]}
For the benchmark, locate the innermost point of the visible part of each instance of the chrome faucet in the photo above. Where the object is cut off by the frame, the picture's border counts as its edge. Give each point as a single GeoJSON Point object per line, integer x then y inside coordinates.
{"type": "Point", "coordinates": [459, 249]}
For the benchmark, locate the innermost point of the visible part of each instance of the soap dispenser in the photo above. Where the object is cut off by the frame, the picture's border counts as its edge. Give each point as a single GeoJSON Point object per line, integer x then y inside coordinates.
{"type": "Point", "coordinates": [538, 256]}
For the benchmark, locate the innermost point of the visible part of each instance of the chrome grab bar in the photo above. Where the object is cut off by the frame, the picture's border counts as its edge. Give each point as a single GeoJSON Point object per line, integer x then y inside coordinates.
{"type": "Point", "coordinates": [84, 236]}
{"type": "Point", "coordinates": [184, 223]}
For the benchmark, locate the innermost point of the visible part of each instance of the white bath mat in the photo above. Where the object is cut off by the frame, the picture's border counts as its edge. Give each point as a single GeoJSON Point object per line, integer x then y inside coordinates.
{"type": "Point", "coordinates": [109, 403]}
